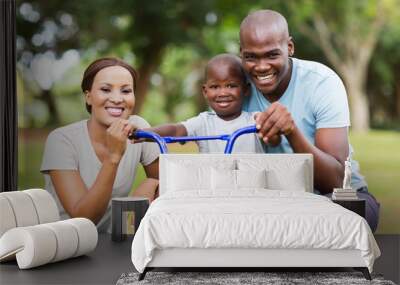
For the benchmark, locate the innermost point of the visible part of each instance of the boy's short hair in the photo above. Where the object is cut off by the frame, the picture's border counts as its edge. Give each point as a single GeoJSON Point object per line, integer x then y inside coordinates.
{"type": "Point", "coordinates": [226, 58]}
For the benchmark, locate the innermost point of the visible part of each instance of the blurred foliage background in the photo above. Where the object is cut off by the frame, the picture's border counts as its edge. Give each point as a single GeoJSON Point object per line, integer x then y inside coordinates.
{"type": "Point", "coordinates": [169, 42]}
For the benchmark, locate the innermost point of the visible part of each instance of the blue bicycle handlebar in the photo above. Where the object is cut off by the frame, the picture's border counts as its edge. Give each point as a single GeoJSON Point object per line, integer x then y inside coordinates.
{"type": "Point", "coordinates": [162, 141]}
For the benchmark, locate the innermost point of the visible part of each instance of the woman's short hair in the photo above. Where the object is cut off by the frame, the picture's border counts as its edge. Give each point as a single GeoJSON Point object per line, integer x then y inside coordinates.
{"type": "Point", "coordinates": [99, 64]}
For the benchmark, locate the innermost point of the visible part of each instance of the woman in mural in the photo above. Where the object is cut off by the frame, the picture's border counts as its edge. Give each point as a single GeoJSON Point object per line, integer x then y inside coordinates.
{"type": "Point", "coordinates": [87, 163]}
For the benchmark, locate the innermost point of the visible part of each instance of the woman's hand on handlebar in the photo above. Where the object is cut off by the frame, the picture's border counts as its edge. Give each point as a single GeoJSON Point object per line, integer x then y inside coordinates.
{"type": "Point", "coordinates": [116, 136]}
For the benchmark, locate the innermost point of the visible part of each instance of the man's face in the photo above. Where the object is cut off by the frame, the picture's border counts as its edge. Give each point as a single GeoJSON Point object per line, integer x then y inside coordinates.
{"type": "Point", "coordinates": [265, 58]}
{"type": "Point", "coordinates": [223, 90]}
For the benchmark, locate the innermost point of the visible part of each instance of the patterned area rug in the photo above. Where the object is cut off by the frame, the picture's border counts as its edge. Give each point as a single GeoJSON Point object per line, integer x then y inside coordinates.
{"type": "Point", "coordinates": [229, 278]}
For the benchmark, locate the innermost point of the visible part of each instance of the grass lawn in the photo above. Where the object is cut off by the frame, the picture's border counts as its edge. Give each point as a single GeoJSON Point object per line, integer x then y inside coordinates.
{"type": "Point", "coordinates": [378, 153]}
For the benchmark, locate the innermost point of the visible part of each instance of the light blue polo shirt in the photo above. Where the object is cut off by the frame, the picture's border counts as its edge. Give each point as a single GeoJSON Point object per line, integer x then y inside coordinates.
{"type": "Point", "coordinates": [316, 98]}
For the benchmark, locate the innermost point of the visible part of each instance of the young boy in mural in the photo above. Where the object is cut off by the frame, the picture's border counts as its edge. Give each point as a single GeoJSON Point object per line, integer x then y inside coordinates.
{"type": "Point", "coordinates": [224, 89]}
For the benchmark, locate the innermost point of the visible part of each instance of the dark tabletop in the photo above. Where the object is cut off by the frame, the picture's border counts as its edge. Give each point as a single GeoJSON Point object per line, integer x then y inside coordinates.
{"type": "Point", "coordinates": [104, 265]}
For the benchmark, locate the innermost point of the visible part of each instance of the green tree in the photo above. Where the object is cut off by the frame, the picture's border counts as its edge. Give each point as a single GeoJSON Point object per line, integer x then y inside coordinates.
{"type": "Point", "coordinates": [347, 32]}
{"type": "Point", "coordinates": [145, 28]}
{"type": "Point", "coordinates": [44, 33]}
{"type": "Point", "coordinates": [384, 78]}
{"type": "Point", "coordinates": [341, 34]}
{"type": "Point", "coordinates": [148, 28]}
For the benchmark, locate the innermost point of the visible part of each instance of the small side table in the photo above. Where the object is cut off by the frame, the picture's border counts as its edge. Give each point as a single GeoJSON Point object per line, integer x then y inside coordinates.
{"type": "Point", "coordinates": [357, 206]}
{"type": "Point", "coordinates": [120, 207]}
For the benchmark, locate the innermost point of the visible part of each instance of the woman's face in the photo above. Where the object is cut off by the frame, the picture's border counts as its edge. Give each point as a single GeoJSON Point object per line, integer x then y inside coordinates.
{"type": "Point", "coordinates": [111, 96]}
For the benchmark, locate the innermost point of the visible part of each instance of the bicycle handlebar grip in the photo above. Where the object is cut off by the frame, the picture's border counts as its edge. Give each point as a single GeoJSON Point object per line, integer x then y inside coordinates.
{"type": "Point", "coordinates": [140, 134]}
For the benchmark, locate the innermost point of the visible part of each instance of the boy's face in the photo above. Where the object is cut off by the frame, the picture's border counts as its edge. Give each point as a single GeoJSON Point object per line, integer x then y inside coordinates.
{"type": "Point", "coordinates": [224, 90]}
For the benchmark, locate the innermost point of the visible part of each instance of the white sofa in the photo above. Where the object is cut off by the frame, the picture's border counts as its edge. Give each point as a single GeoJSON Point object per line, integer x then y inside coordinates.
{"type": "Point", "coordinates": [31, 233]}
